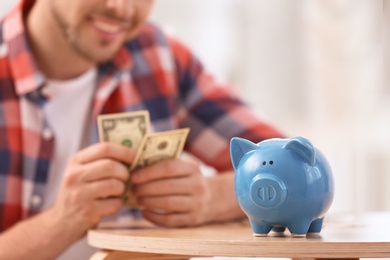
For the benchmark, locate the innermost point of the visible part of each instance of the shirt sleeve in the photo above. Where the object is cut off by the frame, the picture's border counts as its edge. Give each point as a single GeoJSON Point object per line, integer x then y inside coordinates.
{"type": "Point", "coordinates": [213, 111]}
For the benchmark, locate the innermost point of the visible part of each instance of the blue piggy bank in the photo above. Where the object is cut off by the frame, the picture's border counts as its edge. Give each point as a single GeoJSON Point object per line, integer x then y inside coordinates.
{"type": "Point", "coordinates": [282, 183]}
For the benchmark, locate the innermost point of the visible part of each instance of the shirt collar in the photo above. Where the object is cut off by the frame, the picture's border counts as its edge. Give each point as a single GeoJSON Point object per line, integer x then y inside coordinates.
{"type": "Point", "coordinates": [24, 70]}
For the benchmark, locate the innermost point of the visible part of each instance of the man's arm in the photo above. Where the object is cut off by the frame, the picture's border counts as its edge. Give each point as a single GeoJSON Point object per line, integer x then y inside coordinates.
{"type": "Point", "coordinates": [43, 236]}
{"type": "Point", "coordinates": [224, 203]}
{"type": "Point", "coordinates": [93, 184]}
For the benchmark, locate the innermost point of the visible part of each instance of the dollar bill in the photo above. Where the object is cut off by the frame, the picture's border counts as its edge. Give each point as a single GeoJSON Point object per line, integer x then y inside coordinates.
{"type": "Point", "coordinates": [127, 128]}
{"type": "Point", "coordinates": [156, 147]}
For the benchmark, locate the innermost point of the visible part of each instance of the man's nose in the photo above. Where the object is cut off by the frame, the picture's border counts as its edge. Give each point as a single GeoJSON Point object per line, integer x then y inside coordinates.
{"type": "Point", "coordinates": [122, 9]}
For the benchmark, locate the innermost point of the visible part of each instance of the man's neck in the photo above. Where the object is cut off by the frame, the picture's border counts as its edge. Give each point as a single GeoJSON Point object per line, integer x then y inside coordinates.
{"type": "Point", "coordinates": [54, 57]}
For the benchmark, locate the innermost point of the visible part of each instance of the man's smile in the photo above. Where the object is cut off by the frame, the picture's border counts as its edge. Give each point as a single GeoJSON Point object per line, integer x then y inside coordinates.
{"type": "Point", "coordinates": [108, 27]}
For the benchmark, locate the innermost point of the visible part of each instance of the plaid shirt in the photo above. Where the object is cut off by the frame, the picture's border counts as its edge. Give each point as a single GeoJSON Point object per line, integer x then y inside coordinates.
{"type": "Point", "coordinates": [152, 71]}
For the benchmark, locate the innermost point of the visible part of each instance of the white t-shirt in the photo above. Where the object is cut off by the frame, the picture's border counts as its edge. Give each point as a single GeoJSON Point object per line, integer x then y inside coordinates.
{"type": "Point", "coordinates": [68, 114]}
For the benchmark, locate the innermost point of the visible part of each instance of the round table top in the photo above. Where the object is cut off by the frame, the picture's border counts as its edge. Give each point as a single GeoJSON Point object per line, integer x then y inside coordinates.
{"type": "Point", "coordinates": [344, 236]}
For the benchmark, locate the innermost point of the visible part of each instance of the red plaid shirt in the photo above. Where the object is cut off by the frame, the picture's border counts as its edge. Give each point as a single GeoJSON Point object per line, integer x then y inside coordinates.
{"type": "Point", "coordinates": [152, 71]}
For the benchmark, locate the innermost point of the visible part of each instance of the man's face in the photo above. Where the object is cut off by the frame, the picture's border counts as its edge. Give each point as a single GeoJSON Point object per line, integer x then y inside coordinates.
{"type": "Point", "coordinates": [96, 29]}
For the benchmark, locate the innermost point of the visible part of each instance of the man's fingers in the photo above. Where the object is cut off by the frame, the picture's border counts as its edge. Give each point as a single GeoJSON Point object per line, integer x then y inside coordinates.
{"type": "Point", "coordinates": [104, 189]}
{"type": "Point", "coordinates": [173, 204]}
{"type": "Point", "coordinates": [102, 169]}
{"type": "Point", "coordinates": [178, 186]}
{"type": "Point", "coordinates": [171, 220]}
{"type": "Point", "coordinates": [164, 169]}
{"type": "Point", "coordinates": [108, 206]}
{"type": "Point", "coordinates": [105, 150]}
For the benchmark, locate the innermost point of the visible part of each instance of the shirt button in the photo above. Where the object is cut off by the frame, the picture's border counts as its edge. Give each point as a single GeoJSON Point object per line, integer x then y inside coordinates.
{"type": "Point", "coordinates": [35, 95]}
{"type": "Point", "coordinates": [46, 91]}
{"type": "Point", "coordinates": [47, 134]}
{"type": "Point", "coordinates": [36, 201]}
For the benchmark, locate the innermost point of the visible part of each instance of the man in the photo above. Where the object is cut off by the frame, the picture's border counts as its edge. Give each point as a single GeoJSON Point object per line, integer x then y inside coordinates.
{"type": "Point", "coordinates": [62, 63]}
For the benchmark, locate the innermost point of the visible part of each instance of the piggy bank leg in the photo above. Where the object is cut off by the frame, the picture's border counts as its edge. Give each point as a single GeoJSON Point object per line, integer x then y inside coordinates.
{"type": "Point", "coordinates": [278, 229]}
{"type": "Point", "coordinates": [316, 226]}
{"type": "Point", "coordinates": [260, 228]}
{"type": "Point", "coordinates": [299, 229]}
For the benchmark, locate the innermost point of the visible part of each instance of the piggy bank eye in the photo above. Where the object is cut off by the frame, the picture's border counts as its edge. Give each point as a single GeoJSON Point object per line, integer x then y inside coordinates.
{"type": "Point", "coordinates": [271, 162]}
{"type": "Point", "coordinates": [264, 163]}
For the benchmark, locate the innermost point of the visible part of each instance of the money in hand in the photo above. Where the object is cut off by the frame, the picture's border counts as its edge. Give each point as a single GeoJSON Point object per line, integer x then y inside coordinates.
{"type": "Point", "coordinates": [132, 129]}
{"type": "Point", "coordinates": [156, 147]}
{"type": "Point", "coordinates": [126, 129]}
{"type": "Point", "coordinates": [160, 146]}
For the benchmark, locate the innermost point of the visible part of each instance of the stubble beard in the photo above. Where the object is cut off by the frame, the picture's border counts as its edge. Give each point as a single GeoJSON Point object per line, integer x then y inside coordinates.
{"type": "Point", "coordinates": [72, 36]}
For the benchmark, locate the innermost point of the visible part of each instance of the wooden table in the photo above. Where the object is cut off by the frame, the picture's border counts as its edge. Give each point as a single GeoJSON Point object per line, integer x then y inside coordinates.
{"type": "Point", "coordinates": [348, 236]}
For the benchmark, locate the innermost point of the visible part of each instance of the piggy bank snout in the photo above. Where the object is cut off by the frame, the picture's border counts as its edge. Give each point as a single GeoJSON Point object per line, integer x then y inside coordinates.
{"type": "Point", "coordinates": [267, 191]}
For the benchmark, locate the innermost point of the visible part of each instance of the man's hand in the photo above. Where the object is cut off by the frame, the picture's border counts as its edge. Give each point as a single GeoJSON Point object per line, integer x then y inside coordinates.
{"type": "Point", "coordinates": [175, 193]}
{"type": "Point", "coordinates": [91, 189]}
{"type": "Point", "coordinates": [93, 184]}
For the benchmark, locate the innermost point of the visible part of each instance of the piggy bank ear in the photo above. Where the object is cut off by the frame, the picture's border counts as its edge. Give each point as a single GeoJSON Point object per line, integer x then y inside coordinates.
{"type": "Point", "coordinates": [303, 147]}
{"type": "Point", "coordinates": [239, 147]}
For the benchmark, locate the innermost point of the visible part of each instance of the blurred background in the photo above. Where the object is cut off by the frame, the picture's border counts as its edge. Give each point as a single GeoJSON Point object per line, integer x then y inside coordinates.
{"type": "Point", "coordinates": [313, 68]}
